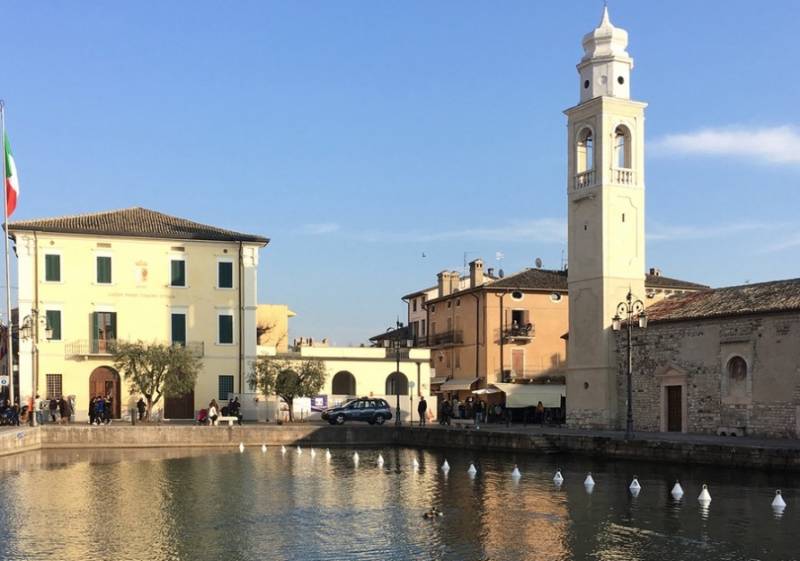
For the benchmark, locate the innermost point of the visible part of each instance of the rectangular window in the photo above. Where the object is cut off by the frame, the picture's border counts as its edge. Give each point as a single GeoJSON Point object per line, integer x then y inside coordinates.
{"type": "Point", "coordinates": [414, 304]}
{"type": "Point", "coordinates": [177, 272]}
{"type": "Point", "coordinates": [53, 386]}
{"type": "Point", "coordinates": [53, 323]}
{"type": "Point", "coordinates": [422, 330]}
{"type": "Point", "coordinates": [458, 358]}
{"type": "Point", "coordinates": [52, 268]}
{"type": "Point", "coordinates": [103, 269]}
{"type": "Point", "coordinates": [225, 387]}
{"type": "Point", "coordinates": [224, 274]}
{"type": "Point", "coordinates": [225, 329]}
{"type": "Point", "coordinates": [104, 331]}
{"type": "Point", "coordinates": [179, 329]}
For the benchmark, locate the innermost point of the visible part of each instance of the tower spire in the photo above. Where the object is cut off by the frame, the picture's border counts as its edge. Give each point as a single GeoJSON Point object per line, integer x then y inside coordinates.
{"type": "Point", "coordinates": [605, 21]}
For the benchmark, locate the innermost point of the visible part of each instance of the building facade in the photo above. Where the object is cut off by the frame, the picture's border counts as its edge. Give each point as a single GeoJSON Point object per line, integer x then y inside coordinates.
{"type": "Point", "coordinates": [86, 281]}
{"type": "Point", "coordinates": [724, 361]}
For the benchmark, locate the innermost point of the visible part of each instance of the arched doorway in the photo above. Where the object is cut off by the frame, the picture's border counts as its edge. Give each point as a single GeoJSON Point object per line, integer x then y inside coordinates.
{"type": "Point", "coordinates": [396, 383]}
{"type": "Point", "coordinates": [344, 383]}
{"type": "Point", "coordinates": [104, 381]}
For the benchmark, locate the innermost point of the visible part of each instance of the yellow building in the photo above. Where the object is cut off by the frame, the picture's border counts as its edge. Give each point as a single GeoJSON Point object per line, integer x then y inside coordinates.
{"type": "Point", "coordinates": [134, 274]}
{"type": "Point", "coordinates": [272, 325]}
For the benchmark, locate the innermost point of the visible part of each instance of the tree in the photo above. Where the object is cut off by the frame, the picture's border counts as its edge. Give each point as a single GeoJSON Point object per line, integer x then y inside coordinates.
{"type": "Point", "coordinates": [287, 379]}
{"type": "Point", "coordinates": [155, 370]}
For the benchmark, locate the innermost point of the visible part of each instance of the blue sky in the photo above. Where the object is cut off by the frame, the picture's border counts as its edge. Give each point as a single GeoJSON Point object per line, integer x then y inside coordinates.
{"type": "Point", "coordinates": [359, 135]}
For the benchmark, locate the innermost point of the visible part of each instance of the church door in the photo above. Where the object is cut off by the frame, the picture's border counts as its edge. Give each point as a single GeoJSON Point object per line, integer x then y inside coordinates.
{"type": "Point", "coordinates": [674, 409]}
{"type": "Point", "coordinates": [104, 381]}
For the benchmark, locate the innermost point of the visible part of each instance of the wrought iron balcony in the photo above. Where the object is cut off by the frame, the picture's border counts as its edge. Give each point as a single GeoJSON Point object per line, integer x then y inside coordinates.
{"type": "Point", "coordinates": [89, 347]}
{"type": "Point", "coordinates": [519, 333]}
{"type": "Point", "coordinates": [446, 338]}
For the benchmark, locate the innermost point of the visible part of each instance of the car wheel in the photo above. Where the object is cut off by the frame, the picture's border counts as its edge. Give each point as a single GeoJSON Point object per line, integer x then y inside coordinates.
{"type": "Point", "coordinates": [339, 419]}
{"type": "Point", "coordinates": [379, 419]}
{"type": "Point", "coordinates": [332, 421]}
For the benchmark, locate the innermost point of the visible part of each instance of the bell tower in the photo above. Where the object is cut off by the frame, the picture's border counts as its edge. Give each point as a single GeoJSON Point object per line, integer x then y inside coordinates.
{"type": "Point", "coordinates": [605, 191]}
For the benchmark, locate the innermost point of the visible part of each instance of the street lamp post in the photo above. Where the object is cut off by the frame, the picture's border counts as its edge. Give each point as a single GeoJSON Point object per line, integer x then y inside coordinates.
{"type": "Point", "coordinates": [29, 331]}
{"type": "Point", "coordinates": [397, 343]}
{"type": "Point", "coordinates": [629, 310]}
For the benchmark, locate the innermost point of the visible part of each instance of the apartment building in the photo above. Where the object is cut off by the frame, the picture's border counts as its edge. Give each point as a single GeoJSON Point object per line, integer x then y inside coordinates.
{"type": "Point", "coordinates": [88, 280]}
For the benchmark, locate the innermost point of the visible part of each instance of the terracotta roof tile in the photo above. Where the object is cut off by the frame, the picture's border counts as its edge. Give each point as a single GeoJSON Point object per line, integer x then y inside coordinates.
{"type": "Point", "coordinates": [135, 222]}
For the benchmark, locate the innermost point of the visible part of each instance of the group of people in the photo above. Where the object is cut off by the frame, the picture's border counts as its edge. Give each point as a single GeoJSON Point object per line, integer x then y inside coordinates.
{"type": "Point", "coordinates": [213, 413]}
{"type": "Point", "coordinates": [101, 410]}
{"type": "Point", "coordinates": [56, 410]}
{"type": "Point", "coordinates": [9, 413]}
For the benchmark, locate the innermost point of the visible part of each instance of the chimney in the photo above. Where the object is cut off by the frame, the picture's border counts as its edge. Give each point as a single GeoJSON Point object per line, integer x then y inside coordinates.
{"type": "Point", "coordinates": [490, 272]}
{"type": "Point", "coordinates": [475, 273]}
{"type": "Point", "coordinates": [445, 287]}
{"type": "Point", "coordinates": [654, 271]}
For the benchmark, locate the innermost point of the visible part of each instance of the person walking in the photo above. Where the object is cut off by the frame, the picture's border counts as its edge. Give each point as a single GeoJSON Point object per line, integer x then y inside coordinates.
{"type": "Point", "coordinates": [213, 412]}
{"type": "Point", "coordinates": [39, 404]}
{"type": "Point", "coordinates": [108, 410]}
{"type": "Point", "coordinates": [422, 409]}
{"type": "Point", "coordinates": [53, 407]}
{"type": "Point", "coordinates": [63, 409]}
{"type": "Point", "coordinates": [478, 412]}
{"type": "Point", "coordinates": [99, 409]}
{"type": "Point", "coordinates": [140, 407]}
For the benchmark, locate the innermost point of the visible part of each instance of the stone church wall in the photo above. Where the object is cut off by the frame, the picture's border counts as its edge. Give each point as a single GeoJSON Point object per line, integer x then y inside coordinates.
{"type": "Point", "coordinates": [697, 355]}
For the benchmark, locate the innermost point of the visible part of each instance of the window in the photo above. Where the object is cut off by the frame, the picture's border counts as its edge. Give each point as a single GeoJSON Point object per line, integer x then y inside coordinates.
{"type": "Point", "coordinates": [422, 328]}
{"type": "Point", "coordinates": [458, 301]}
{"type": "Point", "coordinates": [585, 151]}
{"type": "Point", "coordinates": [517, 295]}
{"type": "Point", "coordinates": [52, 268]}
{"type": "Point", "coordinates": [414, 304]}
{"type": "Point", "coordinates": [622, 147]}
{"type": "Point", "coordinates": [458, 358]}
{"type": "Point", "coordinates": [53, 386]}
{"type": "Point", "coordinates": [177, 272]}
{"type": "Point", "coordinates": [225, 329]}
{"type": "Point", "coordinates": [555, 297]}
{"type": "Point", "coordinates": [225, 387]}
{"type": "Point", "coordinates": [103, 269]}
{"type": "Point", "coordinates": [225, 274]}
{"type": "Point", "coordinates": [396, 383]}
{"type": "Point", "coordinates": [178, 322]}
{"type": "Point", "coordinates": [53, 321]}
{"type": "Point", "coordinates": [433, 308]}
{"type": "Point", "coordinates": [104, 331]}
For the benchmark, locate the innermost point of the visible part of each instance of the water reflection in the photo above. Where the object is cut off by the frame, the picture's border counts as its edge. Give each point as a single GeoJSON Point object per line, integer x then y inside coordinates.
{"type": "Point", "coordinates": [166, 504]}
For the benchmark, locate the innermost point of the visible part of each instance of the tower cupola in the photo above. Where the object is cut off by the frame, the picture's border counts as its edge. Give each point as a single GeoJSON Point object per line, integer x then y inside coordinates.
{"type": "Point", "coordinates": [605, 68]}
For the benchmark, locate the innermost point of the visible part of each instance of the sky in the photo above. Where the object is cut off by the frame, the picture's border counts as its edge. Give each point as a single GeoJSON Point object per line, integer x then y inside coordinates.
{"type": "Point", "coordinates": [378, 143]}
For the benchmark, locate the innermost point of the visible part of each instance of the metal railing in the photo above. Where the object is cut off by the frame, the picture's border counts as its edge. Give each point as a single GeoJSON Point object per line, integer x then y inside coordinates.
{"type": "Point", "coordinates": [519, 332]}
{"type": "Point", "coordinates": [451, 337]}
{"type": "Point", "coordinates": [105, 347]}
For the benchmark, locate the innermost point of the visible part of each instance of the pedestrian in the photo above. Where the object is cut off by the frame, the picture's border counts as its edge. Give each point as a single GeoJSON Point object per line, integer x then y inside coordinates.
{"type": "Point", "coordinates": [234, 409]}
{"type": "Point", "coordinates": [53, 407]}
{"type": "Point", "coordinates": [63, 409]}
{"type": "Point", "coordinates": [213, 412]}
{"type": "Point", "coordinates": [108, 410]}
{"type": "Point", "coordinates": [40, 406]}
{"type": "Point", "coordinates": [478, 412]}
{"type": "Point", "coordinates": [540, 413]}
{"type": "Point", "coordinates": [140, 407]}
{"type": "Point", "coordinates": [422, 409]}
{"type": "Point", "coordinates": [99, 409]}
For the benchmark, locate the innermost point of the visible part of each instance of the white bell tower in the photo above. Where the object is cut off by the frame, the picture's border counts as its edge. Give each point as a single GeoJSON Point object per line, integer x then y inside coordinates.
{"type": "Point", "coordinates": [605, 190]}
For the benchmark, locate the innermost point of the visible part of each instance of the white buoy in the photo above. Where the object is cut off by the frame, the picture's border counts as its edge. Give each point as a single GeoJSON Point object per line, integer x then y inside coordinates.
{"type": "Point", "coordinates": [283, 449]}
{"type": "Point", "coordinates": [589, 481]}
{"type": "Point", "coordinates": [677, 491]}
{"type": "Point", "coordinates": [380, 460]}
{"type": "Point", "coordinates": [445, 466]}
{"type": "Point", "coordinates": [415, 464]}
{"type": "Point", "coordinates": [472, 470]}
{"type": "Point", "coordinates": [263, 447]}
{"type": "Point", "coordinates": [328, 454]}
{"type": "Point", "coordinates": [635, 486]}
{"type": "Point", "coordinates": [241, 447]}
{"type": "Point", "coordinates": [299, 450]}
{"type": "Point", "coordinates": [778, 503]}
{"type": "Point", "coordinates": [355, 457]}
{"type": "Point", "coordinates": [705, 496]}
{"type": "Point", "coordinates": [558, 479]}
{"type": "Point", "coordinates": [515, 472]}
{"type": "Point", "coordinates": [313, 453]}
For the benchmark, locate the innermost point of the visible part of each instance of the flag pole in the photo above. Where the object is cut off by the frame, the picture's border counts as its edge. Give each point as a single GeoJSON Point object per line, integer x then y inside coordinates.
{"type": "Point", "coordinates": [9, 347]}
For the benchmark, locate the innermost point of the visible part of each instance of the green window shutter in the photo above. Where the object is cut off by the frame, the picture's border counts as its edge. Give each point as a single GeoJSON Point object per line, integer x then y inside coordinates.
{"type": "Point", "coordinates": [178, 273]}
{"type": "Point", "coordinates": [104, 270]}
{"type": "Point", "coordinates": [52, 268]}
{"type": "Point", "coordinates": [54, 323]}
{"type": "Point", "coordinates": [95, 332]}
{"type": "Point", "coordinates": [179, 329]}
{"type": "Point", "coordinates": [112, 331]}
{"type": "Point", "coordinates": [225, 387]}
{"type": "Point", "coordinates": [225, 274]}
{"type": "Point", "coordinates": [225, 329]}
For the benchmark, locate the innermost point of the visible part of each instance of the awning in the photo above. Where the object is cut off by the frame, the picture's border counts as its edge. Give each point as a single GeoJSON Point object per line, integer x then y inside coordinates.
{"type": "Point", "coordinates": [438, 380]}
{"type": "Point", "coordinates": [486, 391]}
{"type": "Point", "coordinates": [457, 384]}
{"type": "Point", "coordinates": [529, 395]}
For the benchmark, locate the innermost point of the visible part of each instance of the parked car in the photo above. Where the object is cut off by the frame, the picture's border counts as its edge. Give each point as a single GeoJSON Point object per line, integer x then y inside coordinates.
{"type": "Point", "coordinates": [372, 410]}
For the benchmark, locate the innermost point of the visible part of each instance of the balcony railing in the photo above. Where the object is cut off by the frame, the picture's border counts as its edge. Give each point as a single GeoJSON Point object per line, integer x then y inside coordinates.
{"type": "Point", "coordinates": [87, 348]}
{"type": "Point", "coordinates": [584, 179]}
{"type": "Point", "coordinates": [519, 333]}
{"type": "Point", "coordinates": [451, 337]}
{"type": "Point", "coordinates": [623, 176]}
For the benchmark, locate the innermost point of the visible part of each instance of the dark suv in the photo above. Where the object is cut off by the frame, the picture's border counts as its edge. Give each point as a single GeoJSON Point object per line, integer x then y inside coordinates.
{"type": "Point", "coordinates": [369, 409]}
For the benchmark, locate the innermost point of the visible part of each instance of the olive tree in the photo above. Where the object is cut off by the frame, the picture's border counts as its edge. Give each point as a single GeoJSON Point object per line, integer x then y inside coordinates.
{"type": "Point", "coordinates": [156, 370]}
{"type": "Point", "coordinates": [287, 379]}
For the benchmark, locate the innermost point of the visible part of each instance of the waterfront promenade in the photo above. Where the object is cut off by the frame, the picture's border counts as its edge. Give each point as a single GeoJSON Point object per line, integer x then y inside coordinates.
{"type": "Point", "coordinates": [751, 452]}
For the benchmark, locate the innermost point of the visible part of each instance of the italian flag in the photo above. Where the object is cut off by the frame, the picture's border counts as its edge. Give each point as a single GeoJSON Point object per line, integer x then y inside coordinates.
{"type": "Point", "coordinates": [12, 181]}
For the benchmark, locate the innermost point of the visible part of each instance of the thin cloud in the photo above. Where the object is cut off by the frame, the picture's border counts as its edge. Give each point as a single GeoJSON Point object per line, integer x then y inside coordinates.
{"type": "Point", "coordinates": [789, 243]}
{"type": "Point", "coordinates": [321, 228]}
{"type": "Point", "coordinates": [662, 232]}
{"type": "Point", "coordinates": [770, 145]}
{"type": "Point", "coordinates": [546, 230]}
